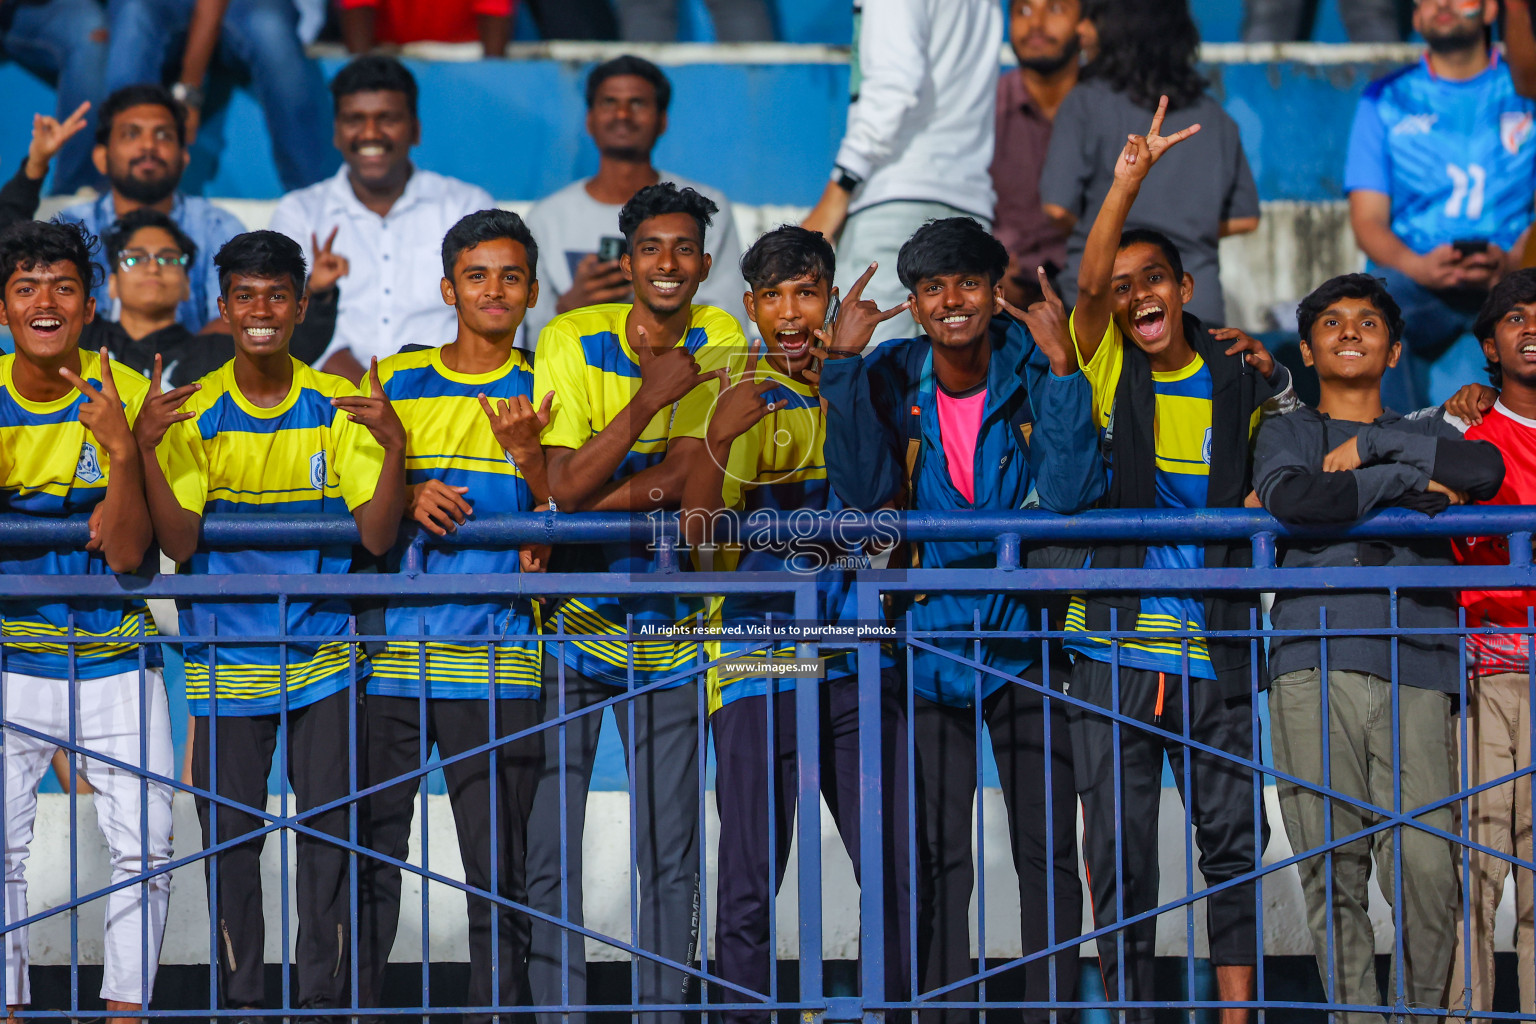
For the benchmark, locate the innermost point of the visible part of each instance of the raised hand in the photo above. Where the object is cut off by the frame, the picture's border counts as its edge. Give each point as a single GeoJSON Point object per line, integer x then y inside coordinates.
{"type": "Point", "coordinates": [741, 404]}
{"type": "Point", "coordinates": [1142, 151]}
{"type": "Point", "coordinates": [1047, 323]}
{"type": "Point", "coordinates": [858, 317]}
{"type": "Point", "coordinates": [375, 412]}
{"type": "Point", "coordinates": [102, 414]}
{"type": "Point", "coordinates": [518, 425]}
{"type": "Point", "coordinates": [667, 376]}
{"type": "Point", "coordinates": [161, 410]}
{"type": "Point", "coordinates": [48, 137]}
{"type": "Point", "coordinates": [328, 267]}
{"type": "Point", "coordinates": [1254, 352]}
{"type": "Point", "coordinates": [437, 507]}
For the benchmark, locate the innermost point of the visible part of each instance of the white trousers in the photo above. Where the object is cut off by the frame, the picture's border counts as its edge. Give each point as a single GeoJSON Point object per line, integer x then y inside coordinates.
{"type": "Point", "coordinates": [107, 719]}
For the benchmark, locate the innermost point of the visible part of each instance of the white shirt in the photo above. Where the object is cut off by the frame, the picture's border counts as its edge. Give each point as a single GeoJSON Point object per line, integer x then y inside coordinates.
{"type": "Point", "coordinates": [921, 122]}
{"type": "Point", "coordinates": [569, 224]}
{"type": "Point", "coordinates": [390, 296]}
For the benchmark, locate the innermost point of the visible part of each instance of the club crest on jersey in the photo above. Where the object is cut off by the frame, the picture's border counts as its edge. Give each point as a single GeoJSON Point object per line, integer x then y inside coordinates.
{"type": "Point", "coordinates": [88, 468]}
{"type": "Point", "coordinates": [317, 471]}
{"type": "Point", "coordinates": [1514, 129]}
{"type": "Point", "coordinates": [1205, 449]}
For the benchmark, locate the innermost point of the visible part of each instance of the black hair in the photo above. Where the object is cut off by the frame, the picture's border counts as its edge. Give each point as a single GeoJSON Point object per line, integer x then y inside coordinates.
{"type": "Point", "coordinates": [144, 94]}
{"type": "Point", "coordinates": [1515, 289]}
{"type": "Point", "coordinates": [29, 244]}
{"type": "Point", "coordinates": [1149, 236]}
{"type": "Point", "coordinates": [1350, 286]}
{"type": "Point", "coordinates": [374, 72]}
{"type": "Point", "coordinates": [120, 233]}
{"type": "Point", "coordinates": [954, 245]}
{"type": "Point", "coordinates": [1147, 49]}
{"type": "Point", "coordinates": [484, 226]}
{"type": "Point", "coordinates": [264, 254]}
{"type": "Point", "coordinates": [628, 64]}
{"type": "Point", "coordinates": [661, 199]}
{"type": "Point", "coordinates": [785, 253]}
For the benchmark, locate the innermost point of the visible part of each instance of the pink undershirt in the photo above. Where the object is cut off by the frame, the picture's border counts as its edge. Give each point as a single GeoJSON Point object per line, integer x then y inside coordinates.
{"type": "Point", "coordinates": [959, 426]}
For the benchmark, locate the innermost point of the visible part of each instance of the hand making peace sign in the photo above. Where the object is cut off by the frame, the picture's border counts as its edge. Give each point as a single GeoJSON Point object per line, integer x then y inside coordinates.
{"type": "Point", "coordinates": [102, 412]}
{"type": "Point", "coordinates": [1142, 151]}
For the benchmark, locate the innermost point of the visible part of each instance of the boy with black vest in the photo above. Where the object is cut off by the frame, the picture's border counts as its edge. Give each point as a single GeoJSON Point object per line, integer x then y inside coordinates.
{"type": "Point", "coordinates": [1178, 406]}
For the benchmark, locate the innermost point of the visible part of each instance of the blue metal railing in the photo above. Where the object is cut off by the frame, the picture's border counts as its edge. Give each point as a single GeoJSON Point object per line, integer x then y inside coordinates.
{"type": "Point", "coordinates": [1012, 533]}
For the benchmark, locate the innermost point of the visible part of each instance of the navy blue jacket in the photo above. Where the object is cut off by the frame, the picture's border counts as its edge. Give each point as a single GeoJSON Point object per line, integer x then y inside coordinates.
{"type": "Point", "coordinates": [1057, 466]}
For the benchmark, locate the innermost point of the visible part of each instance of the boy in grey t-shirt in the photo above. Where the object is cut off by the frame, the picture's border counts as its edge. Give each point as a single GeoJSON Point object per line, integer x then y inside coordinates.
{"type": "Point", "coordinates": [627, 100]}
{"type": "Point", "coordinates": [1333, 465]}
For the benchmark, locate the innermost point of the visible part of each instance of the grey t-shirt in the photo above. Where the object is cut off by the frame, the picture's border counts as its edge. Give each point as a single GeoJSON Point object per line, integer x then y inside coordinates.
{"type": "Point", "coordinates": [569, 224]}
{"type": "Point", "coordinates": [1197, 185]}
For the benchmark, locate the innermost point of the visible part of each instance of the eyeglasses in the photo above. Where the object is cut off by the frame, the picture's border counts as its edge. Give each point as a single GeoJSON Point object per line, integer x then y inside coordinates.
{"type": "Point", "coordinates": [132, 259]}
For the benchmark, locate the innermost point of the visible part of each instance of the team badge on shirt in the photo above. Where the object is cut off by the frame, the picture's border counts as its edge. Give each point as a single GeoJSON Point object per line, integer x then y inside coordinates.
{"type": "Point", "coordinates": [1514, 129]}
{"type": "Point", "coordinates": [88, 468]}
{"type": "Point", "coordinates": [317, 471]}
{"type": "Point", "coordinates": [1205, 449]}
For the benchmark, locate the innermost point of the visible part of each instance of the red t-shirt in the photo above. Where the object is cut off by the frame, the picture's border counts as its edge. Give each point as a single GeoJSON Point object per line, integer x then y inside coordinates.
{"type": "Point", "coordinates": [959, 426]}
{"type": "Point", "coordinates": [1515, 438]}
{"type": "Point", "coordinates": [442, 21]}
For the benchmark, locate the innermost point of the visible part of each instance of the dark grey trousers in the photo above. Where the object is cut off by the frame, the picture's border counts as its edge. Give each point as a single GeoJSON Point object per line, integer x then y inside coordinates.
{"type": "Point", "coordinates": [664, 766]}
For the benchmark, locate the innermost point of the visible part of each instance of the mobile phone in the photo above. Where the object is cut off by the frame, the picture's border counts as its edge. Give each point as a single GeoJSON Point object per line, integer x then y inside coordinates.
{"type": "Point", "coordinates": [610, 249]}
{"type": "Point", "coordinates": [1470, 246]}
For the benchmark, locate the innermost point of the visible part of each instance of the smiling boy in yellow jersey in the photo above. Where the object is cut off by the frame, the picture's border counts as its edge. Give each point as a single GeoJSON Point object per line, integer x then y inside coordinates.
{"type": "Point", "coordinates": [632, 386]}
{"type": "Point", "coordinates": [266, 434]}
{"type": "Point", "coordinates": [67, 448]}
{"type": "Point", "coordinates": [765, 442]}
{"type": "Point", "coordinates": [472, 442]}
{"type": "Point", "coordinates": [1178, 406]}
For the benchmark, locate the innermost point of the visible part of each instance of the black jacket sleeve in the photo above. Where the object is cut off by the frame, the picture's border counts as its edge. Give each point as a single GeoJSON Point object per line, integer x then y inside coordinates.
{"type": "Point", "coordinates": [1473, 467]}
{"type": "Point", "coordinates": [19, 198]}
{"type": "Point", "coordinates": [312, 337]}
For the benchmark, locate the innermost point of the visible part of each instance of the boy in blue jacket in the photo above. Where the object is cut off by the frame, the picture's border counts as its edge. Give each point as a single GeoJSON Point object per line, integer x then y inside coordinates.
{"type": "Point", "coordinates": [982, 412]}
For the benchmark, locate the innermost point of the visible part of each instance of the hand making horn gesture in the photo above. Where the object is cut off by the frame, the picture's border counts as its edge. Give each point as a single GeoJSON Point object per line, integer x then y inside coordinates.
{"type": "Point", "coordinates": [1047, 323]}
{"type": "Point", "coordinates": [858, 317]}
{"type": "Point", "coordinates": [375, 412]}
{"type": "Point", "coordinates": [741, 404]}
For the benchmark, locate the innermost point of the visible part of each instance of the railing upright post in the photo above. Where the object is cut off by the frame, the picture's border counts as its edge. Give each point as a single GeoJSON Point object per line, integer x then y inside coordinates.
{"type": "Point", "coordinates": [808, 810]}
{"type": "Point", "coordinates": [871, 829]}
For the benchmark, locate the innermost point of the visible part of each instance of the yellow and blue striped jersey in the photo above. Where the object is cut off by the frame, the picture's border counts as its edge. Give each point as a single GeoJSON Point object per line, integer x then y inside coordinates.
{"type": "Point", "coordinates": [51, 465]}
{"type": "Point", "coordinates": [585, 359]}
{"type": "Point", "coordinates": [302, 455]}
{"type": "Point", "coordinates": [778, 466]}
{"type": "Point", "coordinates": [1182, 445]}
{"type": "Point", "coordinates": [449, 438]}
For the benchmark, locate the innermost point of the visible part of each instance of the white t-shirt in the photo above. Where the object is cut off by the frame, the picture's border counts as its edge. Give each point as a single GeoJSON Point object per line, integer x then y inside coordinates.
{"type": "Point", "coordinates": [569, 224]}
{"type": "Point", "coordinates": [391, 295]}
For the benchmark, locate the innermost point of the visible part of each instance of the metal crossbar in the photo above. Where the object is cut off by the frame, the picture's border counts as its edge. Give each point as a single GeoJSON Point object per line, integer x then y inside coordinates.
{"type": "Point", "coordinates": [703, 975]}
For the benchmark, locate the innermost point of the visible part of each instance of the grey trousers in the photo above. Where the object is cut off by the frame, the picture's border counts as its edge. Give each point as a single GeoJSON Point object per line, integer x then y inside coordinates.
{"type": "Point", "coordinates": [1284, 21]}
{"type": "Point", "coordinates": [655, 21]}
{"type": "Point", "coordinates": [664, 768]}
{"type": "Point", "coordinates": [1361, 760]}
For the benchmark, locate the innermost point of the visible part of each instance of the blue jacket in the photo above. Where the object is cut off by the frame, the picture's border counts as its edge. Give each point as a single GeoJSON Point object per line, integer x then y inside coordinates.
{"type": "Point", "coordinates": [1055, 463]}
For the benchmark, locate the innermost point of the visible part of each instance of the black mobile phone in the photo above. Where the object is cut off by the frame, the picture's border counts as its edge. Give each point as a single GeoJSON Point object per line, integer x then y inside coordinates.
{"type": "Point", "coordinates": [1470, 246]}
{"type": "Point", "coordinates": [610, 249]}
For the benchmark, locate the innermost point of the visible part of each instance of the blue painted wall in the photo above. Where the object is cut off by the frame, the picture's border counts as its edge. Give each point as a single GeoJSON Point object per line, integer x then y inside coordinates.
{"type": "Point", "coordinates": [762, 133]}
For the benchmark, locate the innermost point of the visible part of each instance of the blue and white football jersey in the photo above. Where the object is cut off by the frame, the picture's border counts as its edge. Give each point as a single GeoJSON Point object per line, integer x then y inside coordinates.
{"type": "Point", "coordinates": [1458, 159]}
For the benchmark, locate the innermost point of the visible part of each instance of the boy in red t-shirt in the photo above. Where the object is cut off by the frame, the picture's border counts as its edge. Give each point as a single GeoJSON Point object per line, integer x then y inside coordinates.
{"type": "Point", "coordinates": [1499, 694]}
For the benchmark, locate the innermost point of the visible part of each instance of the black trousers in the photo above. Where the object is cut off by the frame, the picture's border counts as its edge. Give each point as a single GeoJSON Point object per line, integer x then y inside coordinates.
{"type": "Point", "coordinates": [745, 900]}
{"type": "Point", "coordinates": [319, 768]}
{"type": "Point", "coordinates": [491, 794]}
{"type": "Point", "coordinates": [1231, 829]}
{"type": "Point", "coordinates": [1043, 840]}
